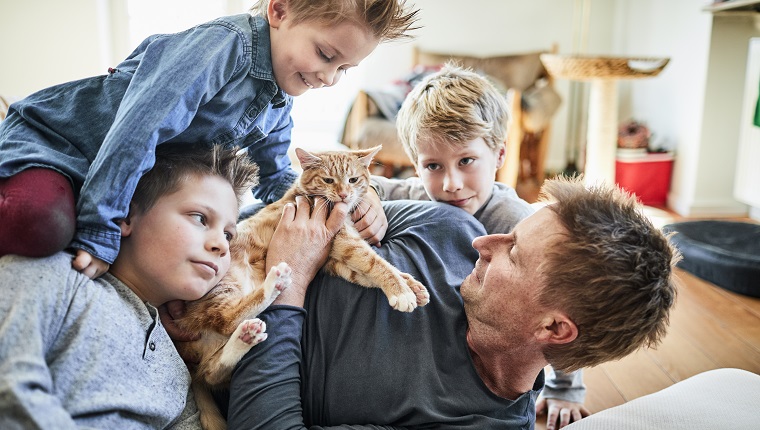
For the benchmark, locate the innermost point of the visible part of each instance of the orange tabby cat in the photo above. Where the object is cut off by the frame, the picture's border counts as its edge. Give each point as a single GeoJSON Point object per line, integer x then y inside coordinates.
{"type": "Point", "coordinates": [244, 292]}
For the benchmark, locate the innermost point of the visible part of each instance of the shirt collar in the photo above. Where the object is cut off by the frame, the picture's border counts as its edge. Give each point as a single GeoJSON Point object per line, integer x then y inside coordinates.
{"type": "Point", "coordinates": [261, 68]}
{"type": "Point", "coordinates": [262, 50]}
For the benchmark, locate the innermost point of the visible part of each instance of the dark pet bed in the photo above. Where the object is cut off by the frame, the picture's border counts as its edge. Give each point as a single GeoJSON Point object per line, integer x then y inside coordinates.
{"type": "Point", "coordinates": [726, 253]}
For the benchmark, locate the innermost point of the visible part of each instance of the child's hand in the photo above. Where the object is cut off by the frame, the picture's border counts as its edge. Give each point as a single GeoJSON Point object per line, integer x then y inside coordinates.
{"type": "Point", "coordinates": [560, 413]}
{"type": "Point", "coordinates": [171, 311]}
{"type": "Point", "coordinates": [369, 218]}
{"type": "Point", "coordinates": [88, 265]}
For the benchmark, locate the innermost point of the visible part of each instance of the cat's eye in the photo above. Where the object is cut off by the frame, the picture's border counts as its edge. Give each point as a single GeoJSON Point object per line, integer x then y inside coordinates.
{"type": "Point", "coordinates": [353, 180]}
{"type": "Point", "coordinates": [328, 180]}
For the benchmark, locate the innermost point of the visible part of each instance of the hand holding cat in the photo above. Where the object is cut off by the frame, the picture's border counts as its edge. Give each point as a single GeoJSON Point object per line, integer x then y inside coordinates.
{"type": "Point", "coordinates": [369, 218]}
{"type": "Point", "coordinates": [88, 265]}
{"type": "Point", "coordinates": [302, 240]}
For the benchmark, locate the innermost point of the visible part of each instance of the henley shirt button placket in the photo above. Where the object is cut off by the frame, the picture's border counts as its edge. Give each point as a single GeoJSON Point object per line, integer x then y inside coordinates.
{"type": "Point", "coordinates": [152, 346]}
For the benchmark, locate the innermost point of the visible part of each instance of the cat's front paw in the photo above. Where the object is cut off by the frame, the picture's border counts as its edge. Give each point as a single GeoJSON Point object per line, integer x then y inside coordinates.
{"type": "Point", "coordinates": [404, 302]}
{"type": "Point", "coordinates": [282, 274]}
{"type": "Point", "coordinates": [252, 331]}
{"type": "Point", "coordinates": [247, 334]}
{"type": "Point", "coordinates": [420, 292]}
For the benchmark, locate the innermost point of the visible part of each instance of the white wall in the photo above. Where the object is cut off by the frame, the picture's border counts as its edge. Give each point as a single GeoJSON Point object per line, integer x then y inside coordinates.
{"type": "Point", "coordinates": [691, 107]}
{"type": "Point", "coordinates": [498, 27]}
{"type": "Point", "coordinates": [49, 42]}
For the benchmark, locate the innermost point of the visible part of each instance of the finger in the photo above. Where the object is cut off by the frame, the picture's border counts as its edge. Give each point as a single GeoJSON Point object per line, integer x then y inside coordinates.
{"type": "Point", "coordinates": [337, 217]}
{"type": "Point", "coordinates": [584, 412]}
{"type": "Point", "coordinates": [303, 211]}
{"type": "Point", "coordinates": [575, 414]}
{"type": "Point", "coordinates": [168, 314]}
{"type": "Point", "coordinates": [175, 308]}
{"type": "Point", "coordinates": [551, 417]}
{"type": "Point", "coordinates": [82, 260]}
{"type": "Point", "coordinates": [288, 212]}
{"type": "Point", "coordinates": [321, 209]}
{"type": "Point", "coordinates": [564, 417]}
{"type": "Point", "coordinates": [90, 272]}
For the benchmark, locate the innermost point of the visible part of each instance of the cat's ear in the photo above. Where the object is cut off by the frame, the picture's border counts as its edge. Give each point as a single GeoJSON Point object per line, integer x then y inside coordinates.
{"type": "Point", "coordinates": [367, 155]}
{"type": "Point", "coordinates": [307, 159]}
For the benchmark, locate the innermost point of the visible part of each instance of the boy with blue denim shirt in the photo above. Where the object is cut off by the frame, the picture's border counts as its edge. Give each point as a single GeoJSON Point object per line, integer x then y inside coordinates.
{"type": "Point", "coordinates": [77, 352]}
{"type": "Point", "coordinates": [453, 126]}
{"type": "Point", "coordinates": [229, 82]}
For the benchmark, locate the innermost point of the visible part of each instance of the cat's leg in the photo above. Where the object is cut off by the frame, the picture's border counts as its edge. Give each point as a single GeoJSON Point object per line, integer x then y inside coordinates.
{"type": "Point", "coordinates": [217, 368]}
{"type": "Point", "coordinates": [354, 260]}
{"type": "Point", "coordinates": [210, 416]}
{"type": "Point", "coordinates": [239, 307]}
{"type": "Point", "coordinates": [248, 333]}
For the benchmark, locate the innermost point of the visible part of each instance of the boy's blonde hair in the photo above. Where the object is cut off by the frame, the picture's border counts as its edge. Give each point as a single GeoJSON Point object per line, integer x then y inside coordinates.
{"type": "Point", "coordinates": [386, 19]}
{"type": "Point", "coordinates": [454, 105]}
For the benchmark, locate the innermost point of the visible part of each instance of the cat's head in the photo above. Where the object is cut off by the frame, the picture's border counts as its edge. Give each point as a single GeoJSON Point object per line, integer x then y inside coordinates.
{"type": "Point", "coordinates": [336, 175]}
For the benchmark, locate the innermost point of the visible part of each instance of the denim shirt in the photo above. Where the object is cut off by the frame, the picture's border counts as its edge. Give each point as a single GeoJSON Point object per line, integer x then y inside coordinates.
{"type": "Point", "coordinates": [213, 83]}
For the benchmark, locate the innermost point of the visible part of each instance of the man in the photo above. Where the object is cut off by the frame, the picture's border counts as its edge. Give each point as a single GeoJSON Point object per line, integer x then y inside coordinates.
{"type": "Point", "coordinates": [584, 280]}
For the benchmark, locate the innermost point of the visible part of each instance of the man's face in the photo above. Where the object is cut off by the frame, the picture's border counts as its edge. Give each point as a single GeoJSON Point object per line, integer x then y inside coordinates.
{"type": "Point", "coordinates": [179, 248]}
{"type": "Point", "coordinates": [461, 175]}
{"type": "Point", "coordinates": [310, 55]}
{"type": "Point", "coordinates": [501, 294]}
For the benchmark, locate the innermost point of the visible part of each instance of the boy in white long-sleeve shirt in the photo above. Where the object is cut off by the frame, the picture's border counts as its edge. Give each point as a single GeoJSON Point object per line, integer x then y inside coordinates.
{"type": "Point", "coordinates": [77, 352]}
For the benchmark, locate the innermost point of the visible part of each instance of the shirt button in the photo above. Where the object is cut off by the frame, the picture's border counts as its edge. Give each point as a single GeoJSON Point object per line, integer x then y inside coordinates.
{"type": "Point", "coordinates": [152, 346]}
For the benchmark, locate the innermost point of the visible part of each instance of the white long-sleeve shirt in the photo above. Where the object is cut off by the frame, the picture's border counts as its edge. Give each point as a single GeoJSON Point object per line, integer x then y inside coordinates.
{"type": "Point", "coordinates": [76, 352]}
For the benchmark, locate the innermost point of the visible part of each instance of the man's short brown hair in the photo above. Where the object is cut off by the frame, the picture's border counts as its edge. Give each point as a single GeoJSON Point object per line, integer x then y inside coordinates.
{"type": "Point", "coordinates": [612, 274]}
{"type": "Point", "coordinates": [386, 19]}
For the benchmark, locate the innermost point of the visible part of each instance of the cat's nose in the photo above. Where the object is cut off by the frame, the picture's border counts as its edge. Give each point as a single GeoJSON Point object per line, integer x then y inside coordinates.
{"type": "Point", "coordinates": [343, 196]}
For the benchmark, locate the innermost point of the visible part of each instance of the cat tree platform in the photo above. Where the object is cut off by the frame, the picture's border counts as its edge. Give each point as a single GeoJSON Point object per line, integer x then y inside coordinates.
{"type": "Point", "coordinates": [603, 73]}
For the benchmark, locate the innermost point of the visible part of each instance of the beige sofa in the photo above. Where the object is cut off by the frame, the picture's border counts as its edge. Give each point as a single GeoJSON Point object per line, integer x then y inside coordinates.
{"type": "Point", "coordinates": [716, 399]}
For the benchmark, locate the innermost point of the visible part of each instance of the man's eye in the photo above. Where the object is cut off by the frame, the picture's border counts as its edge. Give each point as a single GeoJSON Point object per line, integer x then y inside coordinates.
{"type": "Point", "coordinates": [433, 166]}
{"type": "Point", "coordinates": [324, 56]}
{"type": "Point", "coordinates": [229, 236]}
{"type": "Point", "coordinates": [467, 160]}
{"type": "Point", "coordinates": [328, 180]}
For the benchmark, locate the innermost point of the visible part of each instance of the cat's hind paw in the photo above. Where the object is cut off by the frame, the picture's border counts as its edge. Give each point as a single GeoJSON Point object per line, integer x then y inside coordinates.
{"type": "Point", "coordinates": [251, 332]}
{"type": "Point", "coordinates": [420, 292]}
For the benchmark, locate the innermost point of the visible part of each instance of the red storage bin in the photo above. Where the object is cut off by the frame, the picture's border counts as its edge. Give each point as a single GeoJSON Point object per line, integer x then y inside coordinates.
{"type": "Point", "coordinates": [648, 177]}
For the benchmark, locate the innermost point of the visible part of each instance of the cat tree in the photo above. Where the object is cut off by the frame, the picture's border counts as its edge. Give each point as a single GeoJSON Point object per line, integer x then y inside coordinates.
{"type": "Point", "coordinates": [603, 73]}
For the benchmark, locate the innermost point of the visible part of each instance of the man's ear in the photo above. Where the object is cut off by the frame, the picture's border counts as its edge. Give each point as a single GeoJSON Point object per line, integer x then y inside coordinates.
{"type": "Point", "coordinates": [556, 328]}
{"type": "Point", "coordinates": [276, 12]}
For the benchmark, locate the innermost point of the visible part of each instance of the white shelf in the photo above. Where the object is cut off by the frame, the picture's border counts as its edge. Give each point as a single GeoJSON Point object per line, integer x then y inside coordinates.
{"type": "Point", "coordinates": [733, 6]}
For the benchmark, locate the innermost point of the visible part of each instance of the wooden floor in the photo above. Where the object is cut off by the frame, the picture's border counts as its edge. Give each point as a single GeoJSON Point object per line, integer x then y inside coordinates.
{"type": "Point", "coordinates": [710, 328]}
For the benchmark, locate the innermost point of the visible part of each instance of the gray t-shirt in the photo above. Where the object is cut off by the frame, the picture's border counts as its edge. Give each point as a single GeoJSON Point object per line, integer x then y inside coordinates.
{"type": "Point", "coordinates": [499, 215]}
{"type": "Point", "coordinates": [350, 361]}
{"type": "Point", "coordinates": [76, 352]}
